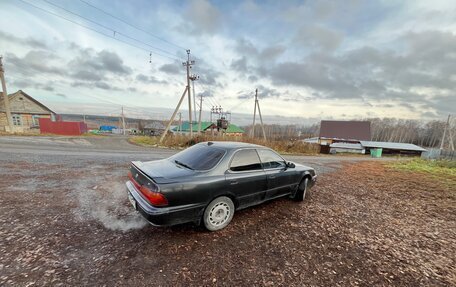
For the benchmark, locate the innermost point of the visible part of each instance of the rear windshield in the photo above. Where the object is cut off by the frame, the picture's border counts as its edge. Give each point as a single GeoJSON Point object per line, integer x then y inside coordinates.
{"type": "Point", "coordinates": [199, 157]}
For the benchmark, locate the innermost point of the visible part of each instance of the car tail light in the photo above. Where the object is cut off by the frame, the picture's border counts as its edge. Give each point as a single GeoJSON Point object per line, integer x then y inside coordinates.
{"type": "Point", "coordinates": [150, 193]}
{"type": "Point", "coordinates": [155, 198]}
{"type": "Point", "coordinates": [135, 183]}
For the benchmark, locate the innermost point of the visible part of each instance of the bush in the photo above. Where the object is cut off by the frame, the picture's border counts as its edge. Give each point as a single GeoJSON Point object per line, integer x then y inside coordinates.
{"type": "Point", "coordinates": [181, 141]}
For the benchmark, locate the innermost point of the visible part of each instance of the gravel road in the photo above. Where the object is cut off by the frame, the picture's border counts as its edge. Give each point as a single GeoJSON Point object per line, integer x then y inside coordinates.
{"type": "Point", "coordinates": [75, 152]}
{"type": "Point", "coordinates": [65, 220]}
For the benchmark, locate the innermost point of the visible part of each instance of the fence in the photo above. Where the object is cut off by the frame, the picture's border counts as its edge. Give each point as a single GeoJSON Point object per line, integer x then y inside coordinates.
{"type": "Point", "coordinates": [62, 128]}
{"type": "Point", "coordinates": [436, 153]}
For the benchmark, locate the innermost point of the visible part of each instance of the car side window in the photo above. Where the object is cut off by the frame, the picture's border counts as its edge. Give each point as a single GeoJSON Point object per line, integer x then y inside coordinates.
{"type": "Point", "coordinates": [245, 160]}
{"type": "Point", "coordinates": [270, 159]}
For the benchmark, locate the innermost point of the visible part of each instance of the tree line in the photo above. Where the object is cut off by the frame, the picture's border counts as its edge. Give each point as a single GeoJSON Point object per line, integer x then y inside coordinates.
{"type": "Point", "coordinates": [422, 133]}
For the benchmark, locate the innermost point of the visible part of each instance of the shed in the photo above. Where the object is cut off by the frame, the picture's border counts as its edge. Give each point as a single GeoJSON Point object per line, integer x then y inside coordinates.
{"type": "Point", "coordinates": [154, 128]}
{"type": "Point", "coordinates": [107, 128]}
{"type": "Point", "coordinates": [346, 148]}
{"type": "Point", "coordinates": [394, 148]}
{"type": "Point", "coordinates": [331, 131]}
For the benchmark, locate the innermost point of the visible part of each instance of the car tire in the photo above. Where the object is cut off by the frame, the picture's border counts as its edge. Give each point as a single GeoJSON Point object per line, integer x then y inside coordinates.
{"type": "Point", "coordinates": [301, 193]}
{"type": "Point", "coordinates": [218, 213]}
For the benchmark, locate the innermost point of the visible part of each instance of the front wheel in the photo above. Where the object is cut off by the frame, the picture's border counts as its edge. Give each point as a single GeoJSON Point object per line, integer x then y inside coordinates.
{"type": "Point", "coordinates": [301, 193]}
{"type": "Point", "coordinates": [218, 213]}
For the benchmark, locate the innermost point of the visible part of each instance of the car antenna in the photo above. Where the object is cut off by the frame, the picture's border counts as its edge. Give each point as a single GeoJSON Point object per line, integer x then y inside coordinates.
{"type": "Point", "coordinates": [210, 143]}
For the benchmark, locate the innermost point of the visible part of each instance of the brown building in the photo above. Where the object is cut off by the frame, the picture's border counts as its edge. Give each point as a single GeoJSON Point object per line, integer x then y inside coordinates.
{"type": "Point", "coordinates": [344, 131]}
{"type": "Point", "coordinates": [25, 112]}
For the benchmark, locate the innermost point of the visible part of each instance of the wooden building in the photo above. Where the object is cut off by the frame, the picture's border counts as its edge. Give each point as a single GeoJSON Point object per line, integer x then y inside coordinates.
{"type": "Point", "coordinates": [25, 113]}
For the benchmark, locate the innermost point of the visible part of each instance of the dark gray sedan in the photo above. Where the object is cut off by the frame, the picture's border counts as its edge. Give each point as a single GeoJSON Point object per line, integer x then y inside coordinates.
{"type": "Point", "coordinates": [209, 181]}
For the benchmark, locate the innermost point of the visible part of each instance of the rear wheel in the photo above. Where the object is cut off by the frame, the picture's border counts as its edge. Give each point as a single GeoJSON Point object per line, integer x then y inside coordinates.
{"type": "Point", "coordinates": [301, 193]}
{"type": "Point", "coordinates": [218, 213]}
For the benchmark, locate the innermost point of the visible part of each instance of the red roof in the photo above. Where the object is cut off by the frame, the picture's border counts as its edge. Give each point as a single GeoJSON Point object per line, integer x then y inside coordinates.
{"type": "Point", "coordinates": [353, 130]}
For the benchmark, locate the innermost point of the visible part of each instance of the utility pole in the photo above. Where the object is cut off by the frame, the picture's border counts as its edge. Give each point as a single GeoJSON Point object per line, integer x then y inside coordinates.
{"type": "Point", "coordinates": [450, 140]}
{"type": "Point", "coordinates": [174, 114]}
{"type": "Point", "coordinates": [189, 64]}
{"type": "Point", "coordinates": [180, 122]}
{"type": "Point", "coordinates": [194, 78]}
{"type": "Point", "coordinates": [254, 116]}
{"type": "Point", "coordinates": [442, 142]}
{"type": "Point", "coordinates": [123, 122]}
{"type": "Point", "coordinates": [261, 120]}
{"type": "Point", "coordinates": [200, 111]}
{"type": "Point", "coordinates": [5, 98]}
{"type": "Point", "coordinates": [451, 136]}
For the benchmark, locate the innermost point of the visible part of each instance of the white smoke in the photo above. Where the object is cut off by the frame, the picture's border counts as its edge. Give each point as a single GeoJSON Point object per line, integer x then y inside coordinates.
{"type": "Point", "coordinates": [107, 203]}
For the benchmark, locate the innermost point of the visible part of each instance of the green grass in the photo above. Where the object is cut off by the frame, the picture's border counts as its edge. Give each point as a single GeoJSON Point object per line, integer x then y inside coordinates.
{"type": "Point", "coordinates": [442, 170]}
{"type": "Point", "coordinates": [428, 166]}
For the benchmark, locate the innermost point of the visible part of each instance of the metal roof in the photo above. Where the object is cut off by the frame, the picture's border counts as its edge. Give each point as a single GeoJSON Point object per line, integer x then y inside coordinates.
{"type": "Point", "coordinates": [356, 130]}
{"type": "Point", "coordinates": [346, 145]}
{"type": "Point", "coordinates": [390, 145]}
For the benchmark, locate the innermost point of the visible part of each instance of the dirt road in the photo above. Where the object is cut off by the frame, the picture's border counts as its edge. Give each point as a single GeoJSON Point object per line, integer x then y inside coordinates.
{"type": "Point", "coordinates": [65, 220]}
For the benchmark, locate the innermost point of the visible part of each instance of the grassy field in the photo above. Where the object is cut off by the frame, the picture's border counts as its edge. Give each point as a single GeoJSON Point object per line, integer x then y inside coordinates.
{"type": "Point", "coordinates": [285, 147]}
{"type": "Point", "coordinates": [443, 170]}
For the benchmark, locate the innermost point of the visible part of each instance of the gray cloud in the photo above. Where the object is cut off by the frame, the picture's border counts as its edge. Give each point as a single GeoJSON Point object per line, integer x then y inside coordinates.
{"type": "Point", "coordinates": [239, 65]}
{"type": "Point", "coordinates": [172, 69]}
{"type": "Point", "coordinates": [149, 79]}
{"type": "Point", "coordinates": [88, 75]}
{"type": "Point", "coordinates": [35, 61]}
{"type": "Point", "coordinates": [31, 42]}
{"type": "Point", "coordinates": [370, 73]}
{"type": "Point", "coordinates": [263, 92]}
{"type": "Point", "coordinates": [266, 92]}
{"type": "Point", "coordinates": [201, 17]}
{"type": "Point", "coordinates": [94, 66]}
{"type": "Point", "coordinates": [318, 37]}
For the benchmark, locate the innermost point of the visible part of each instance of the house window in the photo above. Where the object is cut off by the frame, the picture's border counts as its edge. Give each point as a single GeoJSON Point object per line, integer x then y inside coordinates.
{"type": "Point", "coordinates": [17, 120]}
{"type": "Point", "coordinates": [35, 120]}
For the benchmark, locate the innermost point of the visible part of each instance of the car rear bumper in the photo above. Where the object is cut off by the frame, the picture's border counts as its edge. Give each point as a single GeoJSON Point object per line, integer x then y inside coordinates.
{"type": "Point", "coordinates": [164, 216]}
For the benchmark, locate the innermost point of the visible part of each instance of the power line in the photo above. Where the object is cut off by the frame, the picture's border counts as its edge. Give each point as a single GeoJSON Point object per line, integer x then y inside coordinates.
{"type": "Point", "coordinates": [131, 25]}
{"type": "Point", "coordinates": [237, 105]}
{"type": "Point", "coordinates": [210, 97]}
{"type": "Point", "coordinates": [108, 28]}
{"type": "Point", "coordinates": [91, 29]}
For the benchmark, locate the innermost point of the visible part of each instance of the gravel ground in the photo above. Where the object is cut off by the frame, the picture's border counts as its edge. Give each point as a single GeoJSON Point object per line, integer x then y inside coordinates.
{"type": "Point", "coordinates": [65, 220]}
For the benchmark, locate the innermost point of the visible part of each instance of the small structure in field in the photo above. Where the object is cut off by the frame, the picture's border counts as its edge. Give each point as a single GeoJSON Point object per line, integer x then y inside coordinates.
{"type": "Point", "coordinates": [154, 129]}
{"type": "Point", "coordinates": [394, 148]}
{"type": "Point", "coordinates": [25, 112]}
{"type": "Point", "coordinates": [346, 148]}
{"type": "Point", "coordinates": [344, 131]}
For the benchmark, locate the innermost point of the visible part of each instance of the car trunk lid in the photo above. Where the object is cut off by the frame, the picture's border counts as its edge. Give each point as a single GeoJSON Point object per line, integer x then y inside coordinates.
{"type": "Point", "coordinates": [163, 171]}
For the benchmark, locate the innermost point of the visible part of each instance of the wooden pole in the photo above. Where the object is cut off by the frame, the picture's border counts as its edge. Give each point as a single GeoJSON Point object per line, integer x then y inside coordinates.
{"type": "Point", "coordinates": [5, 98]}
{"type": "Point", "coordinates": [254, 115]}
{"type": "Point", "coordinates": [189, 94]}
{"type": "Point", "coordinates": [174, 115]}
{"type": "Point", "coordinates": [442, 142]}
{"type": "Point", "coordinates": [200, 111]}
{"type": "Point", "coordinates": [261, 120]}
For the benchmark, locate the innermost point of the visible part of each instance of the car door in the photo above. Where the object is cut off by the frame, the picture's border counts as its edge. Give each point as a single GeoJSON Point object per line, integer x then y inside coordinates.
{"type": "Point", "coordinates": [279, 177]}
{"type": "Point", "coordinates": [246, 178]}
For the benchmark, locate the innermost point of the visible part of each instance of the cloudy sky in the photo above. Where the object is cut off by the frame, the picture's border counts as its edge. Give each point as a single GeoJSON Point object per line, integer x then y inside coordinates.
{"type": "Point", "coordinates": [308, 59]}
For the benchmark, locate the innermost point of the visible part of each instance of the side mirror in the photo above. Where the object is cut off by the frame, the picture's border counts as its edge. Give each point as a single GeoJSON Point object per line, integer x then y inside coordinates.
{"type": "Point", "coordinates": [290, 165]}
